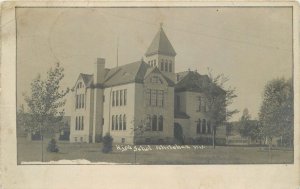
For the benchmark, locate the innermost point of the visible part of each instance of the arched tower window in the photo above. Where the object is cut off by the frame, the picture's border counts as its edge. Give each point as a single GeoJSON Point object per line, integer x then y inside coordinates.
{"type": "Point", "coordinates": [170, 66]}
{"type": "Point", "coordinates": [166, 66]}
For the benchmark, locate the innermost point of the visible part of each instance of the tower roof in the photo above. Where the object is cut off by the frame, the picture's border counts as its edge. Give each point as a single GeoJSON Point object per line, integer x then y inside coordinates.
{"type": "Point", "coordinates": [161, 45]}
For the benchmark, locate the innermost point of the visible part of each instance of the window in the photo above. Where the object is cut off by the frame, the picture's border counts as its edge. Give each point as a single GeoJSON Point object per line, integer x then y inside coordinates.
{"type": "Point", "coordinates": [170, 66]}
{"type": "Point", "coordinates": [160, 123]}
{"type": "Point", "coordinates": [154, 62]}
{"type": "Point", "coordinates": [82, 123]}
{"type": "Point", "coordinates": [124, 122]}
{"type": "Point", "coordinates": [204, 106]}
{"type": "Point", "coordinates": [156, 79]}
{"type": "Point", "coordinates": [113, 99]}
{"type": "Point", "coordinates": [125, 97]}
{"type": "Point", "coordinates": [154, 123]}
{"type": "Point", "coordinates": [79, 85]}
{"type": "Point", "coordinates": [82, 98]}
{"type": "Point", "coordinates": [166, 66]}
{"type": "Point", "coordinates": [203, 126]}
{"type": "Point", "coordinates": [160, 98]}
{"type": "Point", "coordinates": [120, 122]}
{"type": "Point", "coordinates": [113, 122]}
{"type": "Point", "coordinates": [76, 104]}
{"type": "Point", "coordinates": [117, 98]}
{"type": "Point", "coordinates": [208, 127]}
{"type": "Point", "coordinates": [153, 98]}
{"type": "Point", "coordinates": [199, 104]}
{"type": "Point", "coordinates": [162, 65]}
{"type": "Point", "coordinates": [121, 97]}
{"type": "Point", "coordinates": [117, 123]}
{"type": "Point", "coordinates": [198, 126]}
{"type": "Point", "coordinates": [76, 125]}
{"type": "Point", "coordinates": [148, 96]}
{"type": "Point", "coordinates": [79, 123]}
{"type": "Point", "coordinates": [178, 102]}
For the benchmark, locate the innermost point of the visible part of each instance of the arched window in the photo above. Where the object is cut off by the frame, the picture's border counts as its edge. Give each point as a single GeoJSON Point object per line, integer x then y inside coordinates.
{"type": "Point", "coordinates": [162, 65]}
{"type": "Point", "coordinates": [199, 126]}
{"type": "Point", "coordinates": [113, 123]}
{"type": "Point", "coordinates": [208, 127]}
{"type": "Point", "coordinates": [203, 126]}
{"type": "Point", "coordinates": [117, 123]}
{"type": "Point", "coordinates": [120, 122]}
{"type": "Point", "coordinates": [166, 66]}
{"type": "Point", "coordinates": [160, 123]}
{"type": "Point", "coordinates": [82, 123]}
{"type": "Point", "coordinates": [170, 66]}
{"type": "Point", "coordinates": [124, 122]}
{"type": "Point", "coordinates": [154, 123]}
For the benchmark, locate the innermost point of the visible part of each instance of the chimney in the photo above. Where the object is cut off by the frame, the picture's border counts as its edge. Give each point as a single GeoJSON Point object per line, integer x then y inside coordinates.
{"type": "Point", "coordinates": [100, 71]}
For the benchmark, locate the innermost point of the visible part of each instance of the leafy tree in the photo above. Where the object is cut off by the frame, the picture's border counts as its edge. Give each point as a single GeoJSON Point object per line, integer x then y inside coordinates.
{"type": "Point", "coordinates": [46, 101]}
{"type": "Point", "coordinates": [276, 113]}
{"type": "Point", "coordinates": [249, 128]}
{"type": "Point", "coordinates": [218, 98]}
{"type": "Point", "coordinates": [52, 146]}
{"type": "Point", "coordinates": [107, 143]}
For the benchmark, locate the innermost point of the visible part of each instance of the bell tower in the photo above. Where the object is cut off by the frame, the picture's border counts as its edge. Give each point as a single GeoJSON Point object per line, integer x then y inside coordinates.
{"type": "Point", "coordinates": [161, 54]}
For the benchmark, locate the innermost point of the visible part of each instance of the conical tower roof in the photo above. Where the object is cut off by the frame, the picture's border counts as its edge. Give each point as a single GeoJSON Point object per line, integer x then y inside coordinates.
{"type": "Point", "coordinates": [161, 45]}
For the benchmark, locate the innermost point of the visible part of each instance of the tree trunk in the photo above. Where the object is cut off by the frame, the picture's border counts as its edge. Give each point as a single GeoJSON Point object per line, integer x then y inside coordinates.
{"type": "Point", "coordinates": [214, 137]}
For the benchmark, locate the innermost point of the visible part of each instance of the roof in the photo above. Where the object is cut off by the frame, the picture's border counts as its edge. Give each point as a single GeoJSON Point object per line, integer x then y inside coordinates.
{"type": "Point", "coordinates": [134, 72]}
{"type": "Point", "coordinates": [181, 115]}
{"type": "Point", "coordinates": [87, 79]}
{"type": "Point", "coordinates": [161, 45]}
{"type": "Point", "coordinates": [193, 81]}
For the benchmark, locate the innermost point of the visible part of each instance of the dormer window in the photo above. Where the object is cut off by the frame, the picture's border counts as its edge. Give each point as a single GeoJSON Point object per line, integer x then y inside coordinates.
{"type": "Point", "coordinates": [79, 85]}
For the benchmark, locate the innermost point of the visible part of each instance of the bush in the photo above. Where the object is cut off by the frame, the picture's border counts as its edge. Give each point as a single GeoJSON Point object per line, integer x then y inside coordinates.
{"type": "Point", "coordinates": [107, 143]}
{"type": "Point", "coordinates": [52, 146]}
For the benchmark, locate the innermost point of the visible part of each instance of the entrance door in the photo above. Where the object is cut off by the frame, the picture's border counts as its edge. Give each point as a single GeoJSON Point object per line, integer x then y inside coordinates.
{"type": "Point", "coordinates": [178, 133]}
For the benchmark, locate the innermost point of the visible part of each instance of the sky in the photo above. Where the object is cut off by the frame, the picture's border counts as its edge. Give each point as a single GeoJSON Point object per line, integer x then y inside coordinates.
{"type": "Point", "coordinates": [250, 45]}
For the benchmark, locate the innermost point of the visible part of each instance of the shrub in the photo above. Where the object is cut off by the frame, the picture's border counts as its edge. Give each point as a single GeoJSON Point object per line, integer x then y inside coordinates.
{"type": "Point", "coordinates": [107, 143]}
{"type": "Point", "coordinates": [52, 146]}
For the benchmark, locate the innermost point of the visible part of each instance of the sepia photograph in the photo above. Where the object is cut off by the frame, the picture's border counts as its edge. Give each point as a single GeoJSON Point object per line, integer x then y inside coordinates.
{"type": "Point", "coordinates": [154, 85]}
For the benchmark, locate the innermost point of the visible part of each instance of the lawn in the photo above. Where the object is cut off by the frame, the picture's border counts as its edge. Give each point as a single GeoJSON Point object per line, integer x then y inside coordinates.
{"type": "Point", "coordinates": [31, 151]}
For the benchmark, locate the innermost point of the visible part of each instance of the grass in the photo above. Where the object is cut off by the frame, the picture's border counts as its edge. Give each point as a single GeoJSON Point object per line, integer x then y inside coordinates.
{"type": "Point", "coordinates": [31, 151]}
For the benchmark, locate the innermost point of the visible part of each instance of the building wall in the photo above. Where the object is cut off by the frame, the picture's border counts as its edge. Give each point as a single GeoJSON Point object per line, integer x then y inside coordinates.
{"type": "Point", "coordinates": [143, 110]}
{"type": "Point", "coordinates": [189, 105]}
{"type": "Point", "coordinates": [86, 112]}
{"type": "Point", "coordinates": [127, 110]}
